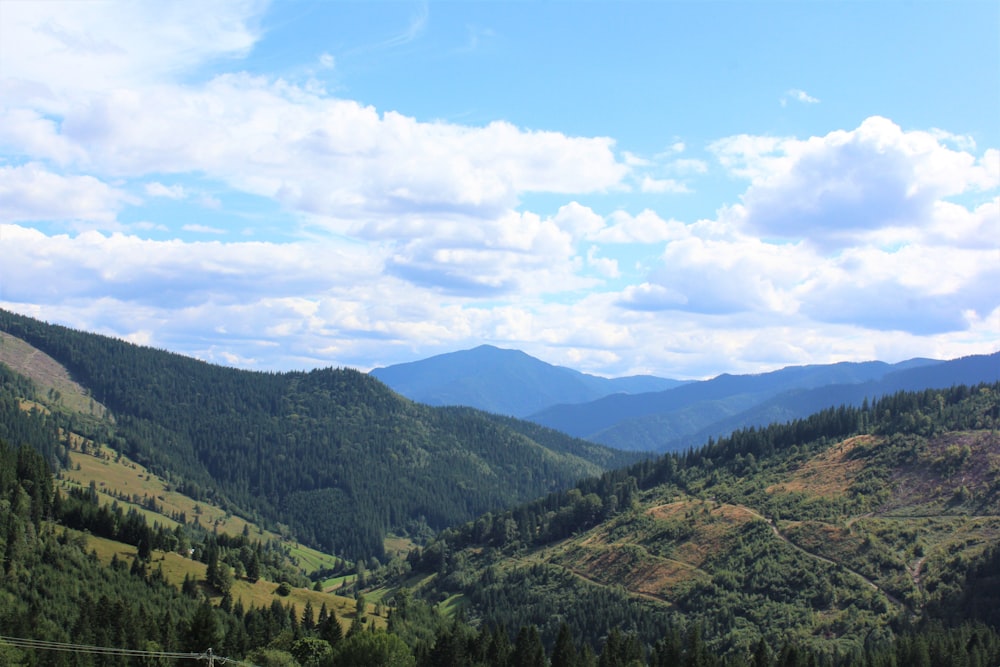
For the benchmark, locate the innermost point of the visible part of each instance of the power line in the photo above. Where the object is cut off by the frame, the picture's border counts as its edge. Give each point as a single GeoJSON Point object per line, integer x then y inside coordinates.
{"type": "Point", "coordinates": [42, 645]}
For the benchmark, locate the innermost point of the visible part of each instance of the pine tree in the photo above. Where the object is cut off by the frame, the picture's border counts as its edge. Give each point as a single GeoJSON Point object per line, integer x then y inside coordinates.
{"type": "Point", "coordinates": [528, 649]}
{"type": "Point", "coordinates": [564, 652]}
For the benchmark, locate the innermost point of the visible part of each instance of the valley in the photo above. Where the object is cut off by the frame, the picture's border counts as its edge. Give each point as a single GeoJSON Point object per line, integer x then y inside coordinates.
{"type": "Point", "coordinates": [311, 517]}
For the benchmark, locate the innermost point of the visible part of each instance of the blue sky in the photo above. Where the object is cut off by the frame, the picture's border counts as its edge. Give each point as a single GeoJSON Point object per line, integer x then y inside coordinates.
{"type": "Point", "coordinates": [677, 188]}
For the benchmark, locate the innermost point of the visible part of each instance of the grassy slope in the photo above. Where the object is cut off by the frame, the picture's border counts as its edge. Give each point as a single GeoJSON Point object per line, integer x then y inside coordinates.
{"type": "Point", "coordinates": [259, 594]}
{"type": "Point", "coordinates": [926, 519]}
{"type": "Point", "coordinates": [47, 374]}
{"type": "Point", "coordinates": [750, 544]}
{"type": "Point", "coordinates": [115, 475]}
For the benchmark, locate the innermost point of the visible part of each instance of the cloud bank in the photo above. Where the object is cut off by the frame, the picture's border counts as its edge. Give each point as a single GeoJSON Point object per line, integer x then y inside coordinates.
{"type": "Point", "coordinates": [402, 238]}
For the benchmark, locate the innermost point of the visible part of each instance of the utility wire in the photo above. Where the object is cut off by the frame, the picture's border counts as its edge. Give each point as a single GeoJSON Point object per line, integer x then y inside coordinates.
{"type": "Point", "coordinates": [42, 645]}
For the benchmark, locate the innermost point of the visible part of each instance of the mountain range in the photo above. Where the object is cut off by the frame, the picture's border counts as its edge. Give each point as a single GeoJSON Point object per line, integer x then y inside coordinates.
{"type": "Point", "coordinates": [506, 382]}
{"type": "Point", "coordinates": [864, 534]}
{"type": "Point", "coordinates": [635, 414]}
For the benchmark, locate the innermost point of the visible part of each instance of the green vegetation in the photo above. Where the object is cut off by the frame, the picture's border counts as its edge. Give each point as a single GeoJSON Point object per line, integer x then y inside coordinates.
{"type": "Point", "coordinates": [332, 454]}
{"type": "Point", "coordinates": [831, 535]}
{"type": "Point", "coordinates": [859, 536]}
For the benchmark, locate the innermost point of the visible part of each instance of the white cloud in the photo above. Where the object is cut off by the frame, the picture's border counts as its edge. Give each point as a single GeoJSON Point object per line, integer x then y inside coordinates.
{"type": "Point", "coordinates": [92, 265]}
{"type": "Point", "coordinates": [646, 227]}
{"type": "Point", "coordinates": [68, 47]}
{"type": "Point", "coordinates": [157, 189]}
{"type": "Point", "coordinates": [31, 193]}
{"type": "Point", "coordinates": [516, 253]}
{"type": "Point", "coordinates": [663, 185]}
{"type": "Point", "coordinates": [838, 189]}
{"type": "Point", "coordinates": [633, 160]}
{"type": "Point", "coordinates": [208, 201]}
{"type": "Point", "coordinates": [849, 229]}
{"type": "Point", "coordinates": [799, 96]}
{"type": "Point", "coordinates": [686, 167]}
{"type": "Point", "coordinates": [715, 276]}
{"type": "Point", "coordinates": [872, 242]}
{"type": "Point", "coordinates": [202, 229]}
{"type": "Point", "coordinates": [578, 220]}
{"type": "Point", "coordinates": [321, 155]}
{"type": "Point", "coordinates": [606, 266]}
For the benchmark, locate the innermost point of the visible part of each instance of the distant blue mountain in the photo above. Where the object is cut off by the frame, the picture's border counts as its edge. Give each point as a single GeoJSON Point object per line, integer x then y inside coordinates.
{"type": "Point", "coordinates": [506, 382]}
{"type": "Point", "coordinates": [800, 403]}
{"type": "Point", "coordinates": [689, 415]}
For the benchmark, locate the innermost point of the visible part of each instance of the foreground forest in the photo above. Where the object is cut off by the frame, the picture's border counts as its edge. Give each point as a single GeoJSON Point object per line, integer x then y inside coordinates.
{"type": "Point", "coordinates": [859, 536]}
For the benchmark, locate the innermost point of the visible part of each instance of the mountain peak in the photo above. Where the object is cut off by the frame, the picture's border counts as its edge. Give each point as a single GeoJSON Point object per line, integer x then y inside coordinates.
{"type": "Point", "coordinates": [503, 381]}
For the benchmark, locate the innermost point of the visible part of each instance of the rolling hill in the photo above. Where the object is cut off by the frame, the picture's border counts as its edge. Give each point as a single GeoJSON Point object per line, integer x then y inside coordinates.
{"type": "Point", "coordinates": [828, 534]}
{"type": "Point", "coordinates": [332, 454]}
{"type": "Point", "coordinates": [505, 382]}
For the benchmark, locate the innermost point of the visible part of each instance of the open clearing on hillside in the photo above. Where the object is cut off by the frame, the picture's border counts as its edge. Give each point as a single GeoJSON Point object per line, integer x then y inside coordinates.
{"type": "Point", "coordinates": [828, 474]}
{"type": "Point", "coordinates": [118, 477]}
{"type": "Point", "coordinates": [48, 374]}
{"type": "Point", "coordinates": [259, 594]}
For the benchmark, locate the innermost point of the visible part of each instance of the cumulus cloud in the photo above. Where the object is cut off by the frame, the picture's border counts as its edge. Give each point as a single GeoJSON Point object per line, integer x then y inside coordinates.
{"type": "Point", "coordinates": [848, 229]}
{"type": "Point", "coordinates": [839, 189]}
{"type": "Point", "coordinates": [92, 265]}
{"type": "Point", "coordinates": [714, 276]}
{"type": "Point", "coordinates": [663, 185]}
{"type": "Point", "coordinates": [606, 266]}
{"type": "Point", "coordinates": [862, 243]}
{"type": "Point", "coordinates": [646, 227]}
{"type": "Point", "coordinates": [32, 193]}
{"type": "Point", "coordinates": [320, 155]}
{"type": "Point", "coordinates": [520, 253]}
{"type": "Point", "coordinates": [67, 47]}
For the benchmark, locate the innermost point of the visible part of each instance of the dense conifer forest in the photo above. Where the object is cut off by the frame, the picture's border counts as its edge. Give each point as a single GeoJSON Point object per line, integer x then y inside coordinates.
{"type": "Point", "coordinates": [859, 536]}
{"type": "Point", "coordinates": [333, 454]}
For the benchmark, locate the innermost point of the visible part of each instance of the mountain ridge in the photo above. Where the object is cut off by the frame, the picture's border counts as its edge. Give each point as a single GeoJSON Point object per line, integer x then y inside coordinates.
{"type": "Point", "coordinates": [504, 381]}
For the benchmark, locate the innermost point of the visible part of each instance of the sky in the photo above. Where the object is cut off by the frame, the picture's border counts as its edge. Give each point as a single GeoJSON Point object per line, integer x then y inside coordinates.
{"type": "Point", "coordinates": [675, 188]}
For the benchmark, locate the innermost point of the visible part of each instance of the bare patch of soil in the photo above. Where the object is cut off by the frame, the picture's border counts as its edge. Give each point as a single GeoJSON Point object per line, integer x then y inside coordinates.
{"type": "Point", "coordinates": [829, 473]}
{"type": "Point", "coordinates": [49, 375]}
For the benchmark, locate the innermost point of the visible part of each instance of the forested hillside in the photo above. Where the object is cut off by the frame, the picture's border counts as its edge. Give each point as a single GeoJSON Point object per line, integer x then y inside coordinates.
{"type": "Point", "coordinates": [333, 454]}
{"type": "Point", "coordinates": [860, 536]}
{"type": "Point", "coordinates": [826, 537]}
{"type": "Point", "coordinates": [62, 603]}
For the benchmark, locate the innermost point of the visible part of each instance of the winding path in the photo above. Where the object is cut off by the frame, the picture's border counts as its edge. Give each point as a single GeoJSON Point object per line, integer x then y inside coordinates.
{"type": "Point", "coordinates": [777, 533]}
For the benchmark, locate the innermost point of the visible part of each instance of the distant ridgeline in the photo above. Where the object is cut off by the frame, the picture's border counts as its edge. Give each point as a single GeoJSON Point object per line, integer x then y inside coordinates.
{"type": "Point", "coordinates": [333, 454]}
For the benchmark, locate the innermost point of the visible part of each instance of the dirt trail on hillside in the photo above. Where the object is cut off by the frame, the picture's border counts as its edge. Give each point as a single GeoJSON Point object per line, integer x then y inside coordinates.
{"type": "Point", "coordinates": [777, 533]}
